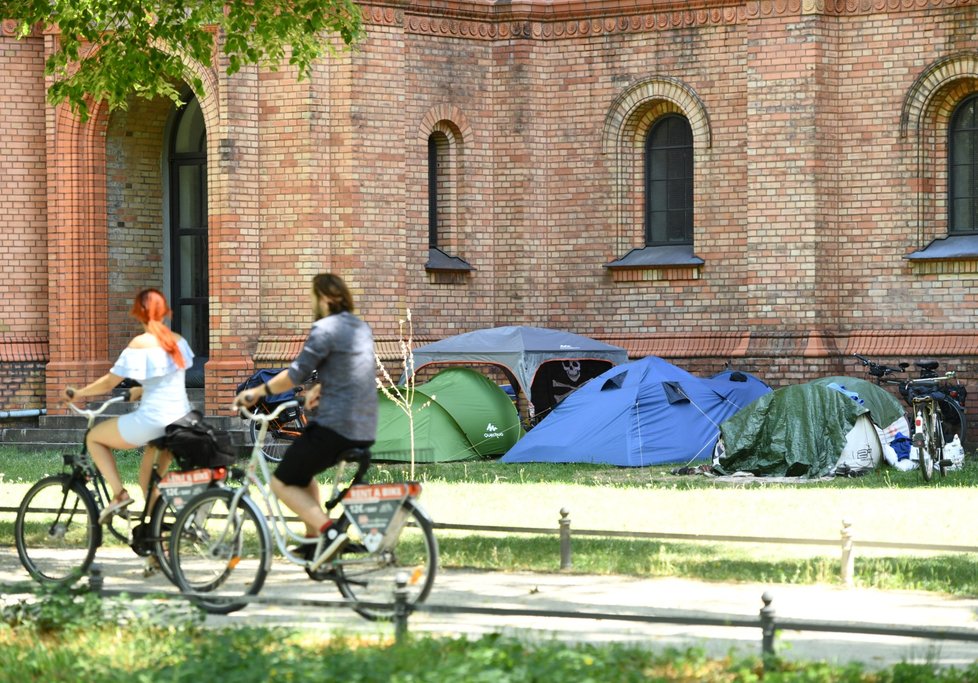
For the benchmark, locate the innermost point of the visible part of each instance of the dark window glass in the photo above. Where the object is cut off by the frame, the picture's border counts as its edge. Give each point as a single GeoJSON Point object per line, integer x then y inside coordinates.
{"type": "Point", "coordinates": [669, 182]}
{"type": "Point", "coordinates": [432, 191]}
{"type": "Point", "coordinates": [963, 169]}
{"type": "Point", "coordinates": [439, 188]}
{"type": "Point", "coordinates": [188, 229]}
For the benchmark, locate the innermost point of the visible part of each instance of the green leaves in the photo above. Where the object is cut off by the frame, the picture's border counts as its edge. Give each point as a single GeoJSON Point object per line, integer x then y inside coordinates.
{"type": "Point", "coordinates": [113, 49]}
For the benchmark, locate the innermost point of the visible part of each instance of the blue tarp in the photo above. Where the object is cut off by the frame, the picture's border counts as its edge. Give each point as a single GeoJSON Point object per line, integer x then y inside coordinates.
{"type": "Point", "coordinates": [648, 412]}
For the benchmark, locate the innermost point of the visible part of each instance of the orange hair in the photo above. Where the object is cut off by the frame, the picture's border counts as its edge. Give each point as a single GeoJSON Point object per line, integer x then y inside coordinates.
{"type": "Point", "coordinates": [149, 308]}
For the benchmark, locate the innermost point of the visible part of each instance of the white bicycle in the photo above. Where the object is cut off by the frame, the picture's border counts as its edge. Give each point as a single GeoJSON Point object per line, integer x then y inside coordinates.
{"type": "Point", "coordinates": [221, 542]}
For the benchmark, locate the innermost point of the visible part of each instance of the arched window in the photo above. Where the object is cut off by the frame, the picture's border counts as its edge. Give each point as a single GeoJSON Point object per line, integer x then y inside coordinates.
{"type": "Point", "coordinates": [963, 168]}
{"type": "Point", "coordinates": [438, 186]}
{"type": "Point", "coordinates": [188, 233]}
{"type": "Point", "coordinates": [669, 182]}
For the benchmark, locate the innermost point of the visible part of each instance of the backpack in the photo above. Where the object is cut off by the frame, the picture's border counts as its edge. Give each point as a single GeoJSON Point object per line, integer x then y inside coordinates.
{"type": "Point", "coordinates": [195, 444]}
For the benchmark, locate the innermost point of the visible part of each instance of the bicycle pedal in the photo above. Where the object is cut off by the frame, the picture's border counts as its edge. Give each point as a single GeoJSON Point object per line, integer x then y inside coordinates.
{"type": "Point", "coordinates": [150, 567]}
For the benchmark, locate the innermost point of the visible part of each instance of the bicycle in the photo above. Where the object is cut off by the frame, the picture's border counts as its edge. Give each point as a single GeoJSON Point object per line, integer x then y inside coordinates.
{"type": "Point", "coordinates": [928, 437]}
{"type": "Point", "coordinates": [222, 540]}
{"type": "Point", "coordinates": [950, 397]}
{"type": "Point", "coordinates": [57, 531]}
{"type": "Point", "coordinates": [287, 427]}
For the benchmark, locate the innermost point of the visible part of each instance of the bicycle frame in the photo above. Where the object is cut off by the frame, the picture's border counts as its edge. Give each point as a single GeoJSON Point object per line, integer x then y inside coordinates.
{"type": "Point", "coordinates": [928, 436]}
{"type": "Point", "coordinates": [82, 463]}
{"type": "Point", "coordinates": [274, 516]}
{"type": "Point", "coordinates": [368, 552]}
{"type": "Point", "coordinates": [84, 469]}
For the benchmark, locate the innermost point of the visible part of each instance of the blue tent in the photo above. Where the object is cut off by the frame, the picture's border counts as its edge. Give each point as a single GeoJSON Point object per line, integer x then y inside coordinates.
{"type": "Point", "coordinates": [648, 412]}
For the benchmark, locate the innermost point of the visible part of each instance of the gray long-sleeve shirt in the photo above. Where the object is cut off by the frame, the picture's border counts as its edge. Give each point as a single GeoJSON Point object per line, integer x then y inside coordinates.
{"type": "Point", "coordinates": [340, 347]}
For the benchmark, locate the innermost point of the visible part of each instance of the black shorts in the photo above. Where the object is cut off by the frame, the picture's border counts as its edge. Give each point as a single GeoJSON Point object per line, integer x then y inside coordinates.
{"type": "Point", "coordinates": [316, 450]}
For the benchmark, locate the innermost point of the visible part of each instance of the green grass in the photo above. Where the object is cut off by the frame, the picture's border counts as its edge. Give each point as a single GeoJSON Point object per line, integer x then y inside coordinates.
{"type": "Point", "coordinates": [955, 574]}
{"type": "Point", "coordinates": [20, 466]}
{"type": "Point", "coordinates": [493, 472]}
{"type": "Point", "coordinates": [147, 652]}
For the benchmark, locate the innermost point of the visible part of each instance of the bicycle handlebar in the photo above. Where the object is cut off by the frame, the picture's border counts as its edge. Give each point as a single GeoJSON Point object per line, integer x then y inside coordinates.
{"type": "Point", "coordinates": [91, 414]}
{"type": "Point", "coordinates": [875, 369]}
{"type": "Point", "coordinates": [267, 417]}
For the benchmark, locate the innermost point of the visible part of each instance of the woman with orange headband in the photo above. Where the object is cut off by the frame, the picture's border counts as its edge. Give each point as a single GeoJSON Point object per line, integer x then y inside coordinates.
{"type": "Point", "coordinates": [158, 360]}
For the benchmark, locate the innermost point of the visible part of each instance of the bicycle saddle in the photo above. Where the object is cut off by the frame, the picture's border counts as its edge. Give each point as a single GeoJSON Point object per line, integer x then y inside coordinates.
{"type": "Point", "coordinates": [927, 364]}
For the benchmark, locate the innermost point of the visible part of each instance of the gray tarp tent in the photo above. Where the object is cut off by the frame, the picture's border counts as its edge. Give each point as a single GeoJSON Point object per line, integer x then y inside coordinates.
{"type": "Point", "coordinates": [526, 354]}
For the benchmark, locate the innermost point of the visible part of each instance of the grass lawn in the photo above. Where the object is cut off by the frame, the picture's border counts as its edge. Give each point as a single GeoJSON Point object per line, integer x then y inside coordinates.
{"type": "Point", "coordinates": [887, 505]}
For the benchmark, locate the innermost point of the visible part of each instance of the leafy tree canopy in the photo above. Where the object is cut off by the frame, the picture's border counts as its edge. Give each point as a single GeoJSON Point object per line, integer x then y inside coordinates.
{"type": "Point", "coordinates": [111, 49]}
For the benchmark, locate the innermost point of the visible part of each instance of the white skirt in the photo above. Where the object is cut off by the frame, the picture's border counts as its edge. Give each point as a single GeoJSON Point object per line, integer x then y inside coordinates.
{"type": "Point", "coordinates": [139, 428]}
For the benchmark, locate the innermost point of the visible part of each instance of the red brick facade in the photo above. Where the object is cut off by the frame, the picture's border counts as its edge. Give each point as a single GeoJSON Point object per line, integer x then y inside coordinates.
{"type": "Point", "coordinates": [820, 162]}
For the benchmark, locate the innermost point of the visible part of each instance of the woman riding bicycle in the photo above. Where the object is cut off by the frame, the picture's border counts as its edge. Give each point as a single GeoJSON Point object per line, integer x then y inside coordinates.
{"type": "Point", "coordinates": [158, 359]}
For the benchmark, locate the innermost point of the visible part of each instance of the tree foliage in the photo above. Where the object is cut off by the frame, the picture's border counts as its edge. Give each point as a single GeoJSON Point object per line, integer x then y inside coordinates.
{"type": "Point", "coordinates": [112, 49]}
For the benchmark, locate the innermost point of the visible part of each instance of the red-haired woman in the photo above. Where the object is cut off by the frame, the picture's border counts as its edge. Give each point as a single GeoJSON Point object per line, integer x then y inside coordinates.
{"type": "Point", "coordinates": [158, 360]}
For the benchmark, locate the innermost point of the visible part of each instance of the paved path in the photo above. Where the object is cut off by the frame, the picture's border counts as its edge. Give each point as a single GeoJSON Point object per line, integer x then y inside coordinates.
{"type": "Point", "coordinates": [576, 592]}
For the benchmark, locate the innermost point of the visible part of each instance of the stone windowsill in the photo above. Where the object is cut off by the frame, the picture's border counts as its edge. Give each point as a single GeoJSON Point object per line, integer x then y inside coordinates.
{"type": "Point", "coordinates": [954, 255]}
{"type": "Point", "coordinates": [444, 269]}
{"type": "Point", "coordinates": [672, 262]}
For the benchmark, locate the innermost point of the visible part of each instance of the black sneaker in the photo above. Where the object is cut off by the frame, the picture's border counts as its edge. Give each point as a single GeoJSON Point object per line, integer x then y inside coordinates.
{"type": "Point", "coordinates": [331, 542]}
{"type": "Point", "coordinates": [306, 551]}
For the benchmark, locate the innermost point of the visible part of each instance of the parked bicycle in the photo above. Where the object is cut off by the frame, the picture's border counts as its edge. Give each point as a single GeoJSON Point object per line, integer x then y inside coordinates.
{"type": "Point", "coordinates": [57, 530]}
{"type": "Point", "coordinates": [950, 396]}
{"type": "Point", "coordinates": [928, 437]}
{"type": "Point", "coordinates": [937, 410]}
{"type": "Point", "coordinates": [222, 541]}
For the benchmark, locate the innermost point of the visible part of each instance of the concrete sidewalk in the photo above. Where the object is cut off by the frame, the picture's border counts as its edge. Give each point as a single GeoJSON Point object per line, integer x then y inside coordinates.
{"type": "Point", "coordinates": [587, 593]}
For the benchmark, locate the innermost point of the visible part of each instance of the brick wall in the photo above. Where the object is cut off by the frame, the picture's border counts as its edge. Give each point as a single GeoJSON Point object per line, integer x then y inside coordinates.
{"type": "Point", "coordinates": [135, 180]}
{"type": "Point", "coordinates": [23, 227]}
{"type": "Point", "coordinates": [819, 157]}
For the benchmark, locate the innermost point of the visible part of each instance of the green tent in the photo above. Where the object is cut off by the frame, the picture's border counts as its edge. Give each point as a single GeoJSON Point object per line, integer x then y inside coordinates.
{"type": "Point", "coordinates": [884, 407]}
{"type": "Point", "coordinates": [798, 430]}
{"type": "Point", "coordinates": [459, 415]}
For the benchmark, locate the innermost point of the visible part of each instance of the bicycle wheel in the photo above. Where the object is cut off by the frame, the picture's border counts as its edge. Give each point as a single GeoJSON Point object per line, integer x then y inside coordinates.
{"type": "Point", "coordinates": [924, 441]}
{"type": "Point", "coordinates": [214, 548]}
{"type": "Point", "coordinates": [161, 521]}
{"type": "Point", "coordinates": [938, 435]}
{"type": "Point", "coordinates": [57, 531]}
{"type": "Point", "coordinates": [279, 437]}
{"type": "Point", "coordinates": [952, 421]}
{"type": "Point", "coordinates": [371, 576]}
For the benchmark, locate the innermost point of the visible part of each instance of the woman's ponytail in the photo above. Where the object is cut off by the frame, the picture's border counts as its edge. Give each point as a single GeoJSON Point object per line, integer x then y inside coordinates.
{"type": "Point", "coordinates": [150, 308]}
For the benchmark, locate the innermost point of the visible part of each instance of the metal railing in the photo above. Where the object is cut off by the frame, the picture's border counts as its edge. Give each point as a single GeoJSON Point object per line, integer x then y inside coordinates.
{"type": "Point", "coordinates": [847, 541]}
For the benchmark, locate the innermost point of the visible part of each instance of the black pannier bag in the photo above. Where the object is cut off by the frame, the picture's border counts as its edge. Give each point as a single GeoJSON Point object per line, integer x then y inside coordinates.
{"type": "Point", "coordinates": [267, 404]}
{"type": "Point", "coordinates": [194, 443]}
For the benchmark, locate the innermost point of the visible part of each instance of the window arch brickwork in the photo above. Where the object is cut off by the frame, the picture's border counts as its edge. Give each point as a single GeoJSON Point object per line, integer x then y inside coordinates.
{"type": "Point", "coordinates": [627, 124]}
{"type": "Point", "coordinates": [924, 123]}
{"type": "Point", "coordinates": [449, 127]}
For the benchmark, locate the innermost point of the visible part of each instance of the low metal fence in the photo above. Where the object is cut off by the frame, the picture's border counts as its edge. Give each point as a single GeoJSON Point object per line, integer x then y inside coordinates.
{"type": "Point", "coordinates": [846, 542]}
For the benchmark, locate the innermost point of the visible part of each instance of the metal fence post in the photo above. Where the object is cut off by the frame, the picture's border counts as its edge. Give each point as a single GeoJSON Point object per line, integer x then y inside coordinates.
{"type": "Point", "coordinates": [401, 610]}
{"type": "Point", "coordinates": [848, 557]}
{"type": "Point", "coordinates": [767, 626]}
{"type": "Point", "coordinates": [95, 579]}
{"type": "Point", "coordinates": [565, 539]}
